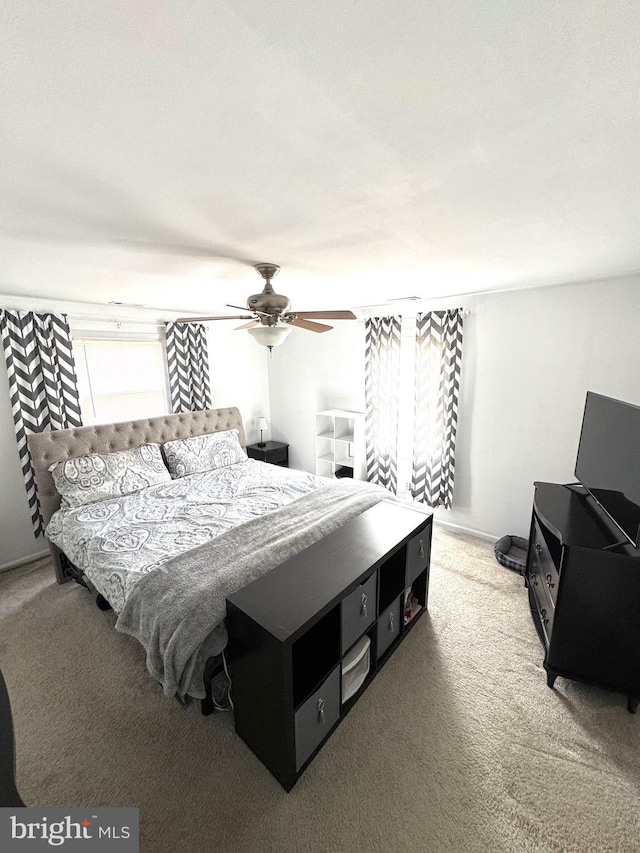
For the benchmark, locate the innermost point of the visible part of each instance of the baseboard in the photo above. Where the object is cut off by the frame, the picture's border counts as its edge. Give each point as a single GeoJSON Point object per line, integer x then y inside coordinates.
{"type": "Point", "coordinates": [449, 525]}
{"type": "Point", "coordinates": [470, 531]}
{"type": "Point", "coordinates": [5, 567]}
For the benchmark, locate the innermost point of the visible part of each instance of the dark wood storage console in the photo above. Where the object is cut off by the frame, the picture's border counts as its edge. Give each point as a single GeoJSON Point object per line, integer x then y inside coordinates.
{"type": "Point", "coordinates": [584, 590]}
{"type": "Point", "coordinates": [292, 630]}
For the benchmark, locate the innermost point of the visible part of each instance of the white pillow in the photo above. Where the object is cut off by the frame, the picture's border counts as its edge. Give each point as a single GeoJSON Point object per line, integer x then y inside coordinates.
{"type": "Point", "coordinates": [88, 479]}
{"type": "Point", "coordinates": [203, 452]}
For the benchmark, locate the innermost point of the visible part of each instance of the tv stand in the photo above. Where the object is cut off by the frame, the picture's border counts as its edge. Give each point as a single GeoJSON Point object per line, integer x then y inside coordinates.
{"type": "Point", "coordinates": [584, 596]}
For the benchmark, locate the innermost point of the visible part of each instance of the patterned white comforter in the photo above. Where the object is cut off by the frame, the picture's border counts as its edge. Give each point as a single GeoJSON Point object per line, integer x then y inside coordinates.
{"type": "Point", "coordinates": [116, 541]}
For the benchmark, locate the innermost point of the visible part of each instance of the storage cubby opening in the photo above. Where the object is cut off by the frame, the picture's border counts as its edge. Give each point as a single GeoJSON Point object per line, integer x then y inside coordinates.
{"type": "Point", "coordinates": [344, 429]}
{"type": "Point", "coordinates": [315, 654]}
{"type": "Point", "coordinates": [324, 447]}
{"type": "Point", "coordinates": [324, 426]}
{"type": "Point", "coordinates": [391, 573]}
{"type": "Point", "coordinates": [415, 598]}
{"type": "Point", "coordinates": [371, 634]}
{"type": "Point", "coordinates": [553, 544]}
{"type": "Point", "coordinates": [342, 454]}
{"type": "Point", "coordinates": [324, 468]}
{"type": "Point", "coordinates": [343, 471]}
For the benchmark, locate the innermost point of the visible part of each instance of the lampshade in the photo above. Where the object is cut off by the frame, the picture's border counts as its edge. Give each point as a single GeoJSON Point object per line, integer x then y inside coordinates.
{"type": "Point", "coordinates": [261, 423]}
{"type": "Point", "coordinates": [269, 336]}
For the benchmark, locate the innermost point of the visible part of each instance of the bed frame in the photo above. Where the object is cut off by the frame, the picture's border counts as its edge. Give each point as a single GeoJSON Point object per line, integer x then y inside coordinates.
{"type": "Point", "coordinates": [52, 446]}
{"type": "Point", "coordinates": [46, 448]}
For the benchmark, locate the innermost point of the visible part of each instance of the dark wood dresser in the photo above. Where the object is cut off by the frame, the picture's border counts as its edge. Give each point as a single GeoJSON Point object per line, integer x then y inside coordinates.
{"type": "Point", "coordinates": [584, 591]}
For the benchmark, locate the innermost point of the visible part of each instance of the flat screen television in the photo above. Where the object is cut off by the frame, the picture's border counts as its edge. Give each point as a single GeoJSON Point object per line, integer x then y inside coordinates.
{"type": "Point", "coordinates": [608, 462]}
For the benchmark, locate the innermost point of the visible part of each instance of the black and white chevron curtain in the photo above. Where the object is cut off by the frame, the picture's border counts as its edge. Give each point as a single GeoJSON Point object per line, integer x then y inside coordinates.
{"type": "Point", "coordinates": [188, 365]}
{"type": "Point", "coordinates": [438, 360]}
{"type": "Point", "coordinates": [42, 384]}
{"type": "Point", "coordinates": [381, 388]}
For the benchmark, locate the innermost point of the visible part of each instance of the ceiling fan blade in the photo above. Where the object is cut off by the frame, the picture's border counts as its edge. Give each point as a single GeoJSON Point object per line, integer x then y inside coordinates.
{"type": "Point", "coordinates": [327, 315]}
{"type": "Point", "coordinates": [247, 325]}
{"type": "Point", "coordinates": [311, 327]}
{"type": "Point", "coordinates": [220, 317]}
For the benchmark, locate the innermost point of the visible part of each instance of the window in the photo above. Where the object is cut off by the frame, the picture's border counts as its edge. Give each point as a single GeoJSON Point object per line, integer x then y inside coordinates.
{"type": "Point", "coordinates": [120, 379]}
{"type": "Point", "coordinates": [412, 379]}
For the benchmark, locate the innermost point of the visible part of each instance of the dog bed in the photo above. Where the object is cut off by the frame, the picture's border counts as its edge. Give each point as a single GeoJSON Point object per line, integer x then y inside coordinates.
{"type": "Point", "coordinates": [511, 552]}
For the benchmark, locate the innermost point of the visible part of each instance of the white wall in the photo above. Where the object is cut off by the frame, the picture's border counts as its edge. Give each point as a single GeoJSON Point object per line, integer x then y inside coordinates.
{"type": "Point", "coordinates": [311, 372]}
{"type": "Point", "coordinates": [239, 376]}
{"type": "Point", "coordinates": [529, 358]}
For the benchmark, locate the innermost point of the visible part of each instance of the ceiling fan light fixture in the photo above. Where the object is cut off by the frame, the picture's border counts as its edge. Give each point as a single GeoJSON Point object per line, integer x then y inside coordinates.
{"type": "Point", "coordinates": [269, 336]}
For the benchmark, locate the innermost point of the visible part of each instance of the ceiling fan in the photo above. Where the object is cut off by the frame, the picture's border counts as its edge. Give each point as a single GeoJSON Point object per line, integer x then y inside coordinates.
{"type": "Point", "coordinates": [270, 318]}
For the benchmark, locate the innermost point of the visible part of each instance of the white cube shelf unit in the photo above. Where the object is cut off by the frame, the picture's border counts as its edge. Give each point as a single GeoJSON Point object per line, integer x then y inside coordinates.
{"type": "Point", "coordinates": [340, 450]}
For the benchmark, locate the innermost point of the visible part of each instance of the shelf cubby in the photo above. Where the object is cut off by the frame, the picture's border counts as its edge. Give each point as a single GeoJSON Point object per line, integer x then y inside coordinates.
{"type": "Point", "coordinates": [315, 654]}
{"type": "Point", "coordinates": [392, 578]}
{"type": "Point", "coordinates": [419, 588]}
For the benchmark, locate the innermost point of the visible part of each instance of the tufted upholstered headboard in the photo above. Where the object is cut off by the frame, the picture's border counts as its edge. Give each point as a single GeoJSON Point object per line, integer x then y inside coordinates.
{"type": "Point", "coordinates": [58, 445]}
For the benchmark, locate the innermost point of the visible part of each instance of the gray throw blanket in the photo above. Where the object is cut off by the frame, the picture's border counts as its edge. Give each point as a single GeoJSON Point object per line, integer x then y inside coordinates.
{"type": "Point", "coordinates": [177, 610]}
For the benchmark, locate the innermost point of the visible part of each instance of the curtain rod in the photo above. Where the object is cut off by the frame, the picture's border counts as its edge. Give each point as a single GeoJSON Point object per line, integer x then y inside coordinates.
{"type": "Point", "coordinates": [92, 318]}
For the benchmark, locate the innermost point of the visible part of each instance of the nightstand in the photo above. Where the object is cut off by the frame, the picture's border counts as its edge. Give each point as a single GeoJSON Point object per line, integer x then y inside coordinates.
{"type": "Point", "coordinates": [274, 452]}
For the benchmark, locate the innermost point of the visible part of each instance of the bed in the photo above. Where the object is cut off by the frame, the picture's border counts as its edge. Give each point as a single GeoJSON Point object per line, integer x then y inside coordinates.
{"type": "Point", "coordinates": [166, 553]}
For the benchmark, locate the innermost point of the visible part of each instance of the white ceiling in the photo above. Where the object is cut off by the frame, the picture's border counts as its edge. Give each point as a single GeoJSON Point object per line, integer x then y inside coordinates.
{"type": "Point", "coordinates": [373, 149]}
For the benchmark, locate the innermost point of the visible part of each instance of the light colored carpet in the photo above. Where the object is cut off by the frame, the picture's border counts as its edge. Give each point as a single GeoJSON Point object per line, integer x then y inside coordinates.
{"type": "Point", "coordinates": [457, 745]}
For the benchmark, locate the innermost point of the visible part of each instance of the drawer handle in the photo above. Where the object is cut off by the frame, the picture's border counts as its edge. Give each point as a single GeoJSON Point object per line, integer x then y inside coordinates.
{"type": "Point", "coordinates": [543, 616]}
{"type": "Point", "coordinates": [550, 582]}
{"type": "Point", "coordinates": [391, 621]}
{"type": "Point", "coordinates": [363, 604]}
{"type": "Point", "coordinates": [321, 710]}
{"type": "Point", "coordinates": [538, 548]}
{"type": "Point", "coordinates": [534, 579]}
{"type": "Point", "coordinates": [421, 547]}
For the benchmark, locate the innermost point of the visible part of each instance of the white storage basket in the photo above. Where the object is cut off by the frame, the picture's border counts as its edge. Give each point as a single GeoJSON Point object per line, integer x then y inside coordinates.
{"type": "Point", "coordinates": [355, 668]}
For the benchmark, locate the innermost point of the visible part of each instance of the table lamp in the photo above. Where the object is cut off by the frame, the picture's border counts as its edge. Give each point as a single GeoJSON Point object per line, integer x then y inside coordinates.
{"type": "Point", "coordinates": [262, 425]}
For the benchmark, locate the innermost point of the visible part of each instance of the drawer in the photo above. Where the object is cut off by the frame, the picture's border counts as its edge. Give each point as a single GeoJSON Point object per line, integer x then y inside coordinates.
{"type": "Point", "coordinates": [543, 601]}
{"type": "Point", "coordinates": [418, 551]}
{"type": "Point", "coordinates": [317, 716]}
{"type": "Point", "coordinates": [358, 611]}
{"type": "Point", "coordinates": [389, 626]}
{"type": "Point", "coordinates": [545, 564]}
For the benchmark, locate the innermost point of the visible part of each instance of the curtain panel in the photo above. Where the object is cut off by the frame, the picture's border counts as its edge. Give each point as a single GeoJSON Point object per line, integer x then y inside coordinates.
{"type": "Point", "coordinates": [188, 365]}
{"type": "Point", "coordinates": [382, 383]}
{"type": "Point", "coordinates": [438, 361]}
{"type": "Point", "coordinates": [42, 384]}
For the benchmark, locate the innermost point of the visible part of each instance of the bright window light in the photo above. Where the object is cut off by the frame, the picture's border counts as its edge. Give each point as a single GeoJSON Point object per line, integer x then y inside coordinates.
{"type": "Point", "coordinates": [120, 379]}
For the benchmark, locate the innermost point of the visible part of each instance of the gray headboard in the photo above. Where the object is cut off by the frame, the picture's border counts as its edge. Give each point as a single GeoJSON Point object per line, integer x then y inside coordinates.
{"type": "Point", "coordinates": [57, 445]}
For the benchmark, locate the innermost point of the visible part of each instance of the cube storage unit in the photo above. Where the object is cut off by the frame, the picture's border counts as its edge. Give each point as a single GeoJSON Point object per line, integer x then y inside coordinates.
{"type": "Point", "coordinates": [340, 449]}
{"type": "Point", "coordinates": [307, 638]}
